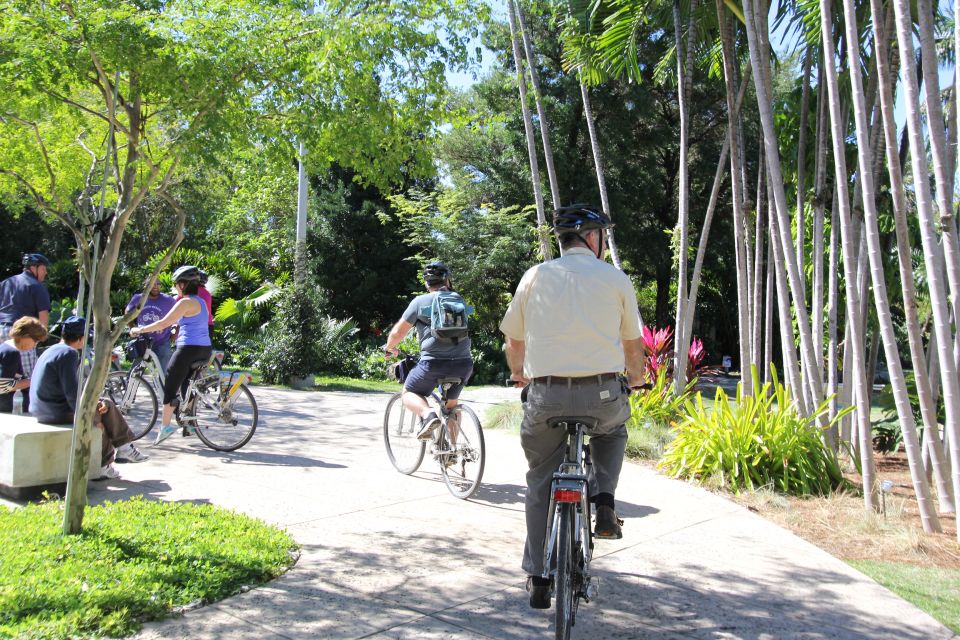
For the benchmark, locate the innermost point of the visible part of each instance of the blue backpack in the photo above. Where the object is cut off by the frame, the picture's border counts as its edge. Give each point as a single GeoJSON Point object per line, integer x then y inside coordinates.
{"type": "Point", "coordinates": [448, 315]}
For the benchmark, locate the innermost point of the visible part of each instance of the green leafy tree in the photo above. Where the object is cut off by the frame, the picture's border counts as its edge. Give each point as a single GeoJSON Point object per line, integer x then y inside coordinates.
{"type": "Point", "coordinates": [107, 102]}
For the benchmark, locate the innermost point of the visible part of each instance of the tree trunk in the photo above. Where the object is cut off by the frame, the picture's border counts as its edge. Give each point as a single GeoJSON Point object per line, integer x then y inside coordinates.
{"type": "Point", "coordinates": [819, 204]}
{"type": "Point", "coordinates": [598, 165]}
{"type": "Point", "coordinates": [684, 80]}
{"type": "Point", "coordinates": [931, 249]}
{"type": "Point", "coordinates": [882, 26]}
{"type": "Point", "coordinates": [854, 319]}
{"type": "Point", "coordinates": [546, 248]}
{"type": "Point", "coordinates": [541, 113]}
{"type": "Point", "coordinates": [737, 187]}
{"type": "Point", "coordinates": [813, 386]}
{"type": "Point", "coordinates": [802, 161]}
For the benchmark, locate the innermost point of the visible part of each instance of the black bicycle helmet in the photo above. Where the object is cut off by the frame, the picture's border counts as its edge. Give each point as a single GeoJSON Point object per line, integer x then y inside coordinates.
{"type": "Point", "coordinates": [34, 259]}
{"type": "Point", "coordinates": [436, 273]}
{"type": "Point", "coordinates": [187, 272]}
{"type": "Point", "coordinates": [579, 217]}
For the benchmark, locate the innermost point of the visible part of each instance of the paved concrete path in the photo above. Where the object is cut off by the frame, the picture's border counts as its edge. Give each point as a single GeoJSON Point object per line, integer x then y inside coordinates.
{"type": "Point", "coordinates": [392, 556]}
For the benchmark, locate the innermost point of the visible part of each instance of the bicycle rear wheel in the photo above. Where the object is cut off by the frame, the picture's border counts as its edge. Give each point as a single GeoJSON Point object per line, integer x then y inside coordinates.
{"type": "Point", "coordinates": [463, 462]}
{"type": "Point", "coordinates": [138, 405]}
{"type": "Point", "coordinates": [564, 581]}
{"type": "Point", "coordinates": [400, 436]}
{"type": "Point", "coordinates": [223, 423]}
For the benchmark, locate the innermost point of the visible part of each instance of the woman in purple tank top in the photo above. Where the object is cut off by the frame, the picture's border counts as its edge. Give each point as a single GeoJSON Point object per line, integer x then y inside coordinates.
{"type": "Point", "coordinates": [193, 341]}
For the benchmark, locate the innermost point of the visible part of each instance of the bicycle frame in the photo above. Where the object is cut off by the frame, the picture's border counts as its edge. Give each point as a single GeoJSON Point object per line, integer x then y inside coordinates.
{"type": "Point", "coordinates": [570, 486]}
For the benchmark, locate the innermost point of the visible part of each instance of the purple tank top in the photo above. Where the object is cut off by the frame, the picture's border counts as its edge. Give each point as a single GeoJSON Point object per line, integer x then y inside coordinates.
{"type": "Point", "coordinates": [193, 329]}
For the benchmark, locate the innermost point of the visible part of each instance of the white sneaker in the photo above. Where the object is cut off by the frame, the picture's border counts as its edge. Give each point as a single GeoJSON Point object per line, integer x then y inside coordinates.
{"type": "Point", "coordinates": [107, 472]}
{"type": "Point", "coordinates": [129, 453]}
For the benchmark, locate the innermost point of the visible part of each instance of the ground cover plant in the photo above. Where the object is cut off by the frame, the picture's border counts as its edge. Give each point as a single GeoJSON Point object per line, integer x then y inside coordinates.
{"type": "Point", "coordinates": [133, 561]}
{"type": "Point", "coordinates": [755, 441]}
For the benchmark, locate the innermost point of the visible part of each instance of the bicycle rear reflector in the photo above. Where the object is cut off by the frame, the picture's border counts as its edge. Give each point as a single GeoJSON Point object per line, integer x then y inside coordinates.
{"type": "Point", "coordinates": [566, 495]}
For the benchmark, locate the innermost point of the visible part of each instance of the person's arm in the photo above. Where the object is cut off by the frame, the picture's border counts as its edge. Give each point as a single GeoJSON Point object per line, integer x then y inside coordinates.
{"type": "Point", "coordinates": [178, 311]}
{"type": "Point", "coordinates": [68, 380]}
{"type": "Point", "coordinates": [397, 334]}
{"type": "Point", "coordinates": [516, 351]}
{"type": "Point", "coordinates": [633, 352]}
{"type": "Point", "coordinates": [44, 318]}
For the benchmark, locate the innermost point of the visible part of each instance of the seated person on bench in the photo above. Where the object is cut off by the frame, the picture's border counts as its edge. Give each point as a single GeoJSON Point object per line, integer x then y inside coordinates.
{"type": "Point", "coordinates": [25, 334]}
{"type": "Point", "coordinates": [53, 398]}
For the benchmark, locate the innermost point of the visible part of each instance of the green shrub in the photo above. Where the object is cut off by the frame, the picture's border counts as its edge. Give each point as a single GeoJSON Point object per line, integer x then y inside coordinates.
{"type": "Point", "coordinates": [134, 561]}
{"type": "Point", "coordinates": [760, 440]}
{"type": "Point", "coordinates": [652, 412]}
{"type": "Point", "coordinates": [289, 347]}
{"type": "Point", "coordinates": [506, 415]}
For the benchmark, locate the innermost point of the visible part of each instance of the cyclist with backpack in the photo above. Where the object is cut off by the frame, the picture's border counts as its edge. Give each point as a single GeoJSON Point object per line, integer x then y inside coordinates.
{"type": "Point", "coordinates": [440, 317]}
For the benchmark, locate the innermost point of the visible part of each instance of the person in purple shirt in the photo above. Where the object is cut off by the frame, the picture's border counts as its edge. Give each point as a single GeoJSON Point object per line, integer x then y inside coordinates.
{"type": "Point", "coordinates": [193, 341]}
{"type": "Point", "coordinates": [155, 308]}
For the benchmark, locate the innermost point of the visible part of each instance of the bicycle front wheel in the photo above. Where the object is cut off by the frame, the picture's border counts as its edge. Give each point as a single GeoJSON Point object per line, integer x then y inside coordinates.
{"type": "Point", "coordinates": [223, 423]}
{"type": "Point", "coordinates": [463, 460]}
{"type": "Point", "coordinates": [563, 581]}
{"type": "Point", "coordinates": [137, 404]}
{"type": "Point", "coordinates": [400, 436]}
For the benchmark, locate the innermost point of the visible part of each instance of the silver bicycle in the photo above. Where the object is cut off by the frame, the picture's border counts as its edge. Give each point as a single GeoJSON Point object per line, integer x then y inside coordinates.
{"type": "Point", "coordinates": [568, 547]}
{"type": "Point", "coordinates": [457, 445]}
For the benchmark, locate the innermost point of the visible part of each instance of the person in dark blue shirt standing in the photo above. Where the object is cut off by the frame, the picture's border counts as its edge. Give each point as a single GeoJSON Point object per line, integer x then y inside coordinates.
{"type": "Point", "coordinates": [53, 398]}
{"type": "Point", "coordinates": [25, 295]}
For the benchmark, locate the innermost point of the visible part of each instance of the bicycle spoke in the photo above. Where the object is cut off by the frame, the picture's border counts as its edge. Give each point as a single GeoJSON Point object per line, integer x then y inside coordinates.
{"type": "Point", "coordinates": [223, 425]}
{"type": "Point", "coordinates": [463, 460]}
{"type": "Point", "coordinates": [400, 436]}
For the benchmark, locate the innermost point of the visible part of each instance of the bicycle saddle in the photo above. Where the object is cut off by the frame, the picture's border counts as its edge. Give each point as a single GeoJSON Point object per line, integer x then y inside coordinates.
{"type": "Point", "coordinates": [588, 422]}
{"type": "Point", "coordinates": [450, 381]}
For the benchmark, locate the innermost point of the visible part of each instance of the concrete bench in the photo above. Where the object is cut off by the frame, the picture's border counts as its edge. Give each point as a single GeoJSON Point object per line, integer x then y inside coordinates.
{"type": "Point", "coordinates": [35, 457]}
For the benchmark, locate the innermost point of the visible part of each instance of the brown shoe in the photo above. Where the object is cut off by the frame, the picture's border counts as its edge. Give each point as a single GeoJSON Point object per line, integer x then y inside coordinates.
{"type": "Point", "coordinates": [608, 524]}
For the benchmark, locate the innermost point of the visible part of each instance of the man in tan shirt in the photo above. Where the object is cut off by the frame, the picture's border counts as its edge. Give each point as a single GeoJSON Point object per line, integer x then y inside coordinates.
{"type": "Point", "coordinates": [572, 329]}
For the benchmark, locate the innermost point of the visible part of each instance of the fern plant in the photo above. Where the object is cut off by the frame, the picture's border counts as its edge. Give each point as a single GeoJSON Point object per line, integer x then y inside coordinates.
{"type": "Point", "coordinates": [755, 441]}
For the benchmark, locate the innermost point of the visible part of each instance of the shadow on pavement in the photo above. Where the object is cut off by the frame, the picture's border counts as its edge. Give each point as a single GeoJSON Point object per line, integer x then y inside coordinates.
{"type": "Point", "coordinates": [269, 459]}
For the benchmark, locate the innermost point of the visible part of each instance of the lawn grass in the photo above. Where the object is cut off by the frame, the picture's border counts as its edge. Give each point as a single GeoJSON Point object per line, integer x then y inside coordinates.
{"type": "Point", "coordinates": [935, 590]}
{"type": "Point", "coordinates": [134, 561]}
{"type": "Point", "coordinates": [344, 383]}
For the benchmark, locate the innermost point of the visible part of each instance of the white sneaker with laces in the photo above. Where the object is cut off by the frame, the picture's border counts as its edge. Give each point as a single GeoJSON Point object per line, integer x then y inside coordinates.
{"type": "Point", "coordinates": [107, 472]}
{"type": "Point", "coordinates": [129, 453]}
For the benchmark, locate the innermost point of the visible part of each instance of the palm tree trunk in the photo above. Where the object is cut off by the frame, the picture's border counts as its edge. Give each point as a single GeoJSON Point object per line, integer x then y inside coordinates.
{"type": "Point", "coordinates": [708, 218]}
{"type": "Point", "coordinates": [684, 83]}
{"type": "Point", "coordinates": [546, 248]}
{"type": "Point", "coordinates": [598, 165]}
{"type": "Point", "coordinates": [833, 304]}
{"type": "Point", "coordinates": [931, 249]}
{"type": "Point", "coordinates": [541, 113]}
{"type": "Point", "coordinates": [802, 159]}
{"type": "Point", "coordinates": [882, 28]}
{"type": "Point", "coordinates": [854, 318]}
{"type": "Point", "coordinates": [784, 317]}
{"type": "Point", "coordinates": [768, 317]}
{"type": "Point", "coordinates": [820, 181]}
{"type": "Point", "coordinates": [737, 195]}
{"type": "Point", "coordinates": [813, 385]}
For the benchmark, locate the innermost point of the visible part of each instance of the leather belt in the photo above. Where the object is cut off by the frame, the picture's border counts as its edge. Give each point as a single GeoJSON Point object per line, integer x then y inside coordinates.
{"type": "Point", "coordinates": [599, 378]}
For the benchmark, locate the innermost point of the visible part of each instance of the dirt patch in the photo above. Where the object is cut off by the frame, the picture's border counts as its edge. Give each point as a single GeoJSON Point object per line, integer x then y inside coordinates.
{"type": "Point", "coordinates": [844, 527]}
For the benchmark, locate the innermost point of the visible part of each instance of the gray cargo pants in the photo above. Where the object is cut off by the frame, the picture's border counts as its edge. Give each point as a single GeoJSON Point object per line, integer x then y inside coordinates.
{"type": "Point", "coordinates": [607, 401]}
